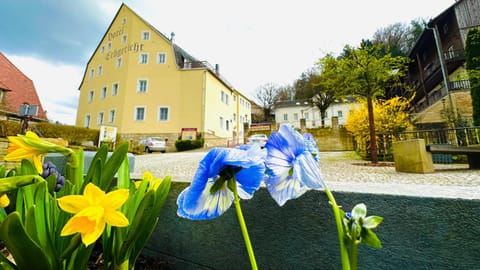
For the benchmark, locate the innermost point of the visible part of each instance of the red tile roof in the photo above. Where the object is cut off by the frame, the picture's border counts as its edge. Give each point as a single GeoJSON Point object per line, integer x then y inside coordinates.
{"type": "Point", "coordinates": [21, 89]}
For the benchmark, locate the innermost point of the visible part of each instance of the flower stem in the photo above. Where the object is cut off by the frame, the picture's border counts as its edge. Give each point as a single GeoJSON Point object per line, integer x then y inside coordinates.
{"type": "Point", "coordinates": [354, 253]}
{"type": "Point", "coordinates": [340, 233]}
{"type": "Point", "coordinates": [122, 266]}
{"type": "Point", "coordinates": [243, 226]}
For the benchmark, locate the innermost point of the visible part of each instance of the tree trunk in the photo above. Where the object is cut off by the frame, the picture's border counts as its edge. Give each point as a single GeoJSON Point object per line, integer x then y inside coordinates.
{"type": "Point", "coordinates": [373, 137]}
{"type": "Point", "coordinates": [322, 116]}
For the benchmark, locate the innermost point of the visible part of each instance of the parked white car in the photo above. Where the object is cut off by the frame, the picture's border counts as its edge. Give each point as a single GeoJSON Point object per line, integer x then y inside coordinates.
{"type": "Point", "coordinates": [259, 139]}
{"type": "Point", "coordinates": [154, 144]}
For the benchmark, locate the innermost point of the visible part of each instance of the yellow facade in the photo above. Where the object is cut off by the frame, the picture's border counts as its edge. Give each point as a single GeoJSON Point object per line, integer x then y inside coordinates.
{"type": "Point", "coordinates": [139, 81]}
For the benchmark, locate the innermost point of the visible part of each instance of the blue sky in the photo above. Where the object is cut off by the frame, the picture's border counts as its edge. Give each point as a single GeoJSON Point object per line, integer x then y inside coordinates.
{"type": "Point", "coordinates": [254, 42]}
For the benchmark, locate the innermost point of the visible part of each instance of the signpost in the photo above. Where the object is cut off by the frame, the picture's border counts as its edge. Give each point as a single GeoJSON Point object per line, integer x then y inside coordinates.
{"type": "Point", "coordinates": [26, 112]}
{"type": "Point", "coordinates": [107, 135]}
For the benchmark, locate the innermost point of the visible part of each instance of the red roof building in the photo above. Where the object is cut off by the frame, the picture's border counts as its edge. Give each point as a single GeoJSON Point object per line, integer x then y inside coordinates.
{"type": "Point", "coordinates": [16, 89]}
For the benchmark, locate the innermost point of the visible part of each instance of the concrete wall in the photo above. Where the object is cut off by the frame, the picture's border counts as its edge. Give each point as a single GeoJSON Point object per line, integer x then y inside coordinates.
{"type": "Point", "coordinates": [417, 233]}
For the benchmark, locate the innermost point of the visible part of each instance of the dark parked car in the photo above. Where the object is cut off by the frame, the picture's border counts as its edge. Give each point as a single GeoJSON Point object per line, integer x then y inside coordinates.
{"type": "Point", "coordinates": [154, 144]}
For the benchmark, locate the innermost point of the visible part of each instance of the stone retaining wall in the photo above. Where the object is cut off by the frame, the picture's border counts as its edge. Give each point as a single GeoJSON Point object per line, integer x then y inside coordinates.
{"type": "Point", "coordinates": [417, 233]}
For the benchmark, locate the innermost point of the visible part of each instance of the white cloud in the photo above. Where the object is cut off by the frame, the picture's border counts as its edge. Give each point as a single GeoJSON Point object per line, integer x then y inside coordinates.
{"type": "Point", "coordinates": [56, 85]}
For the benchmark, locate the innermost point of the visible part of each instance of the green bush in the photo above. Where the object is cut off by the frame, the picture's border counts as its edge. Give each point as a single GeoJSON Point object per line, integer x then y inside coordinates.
{"type": "Point", "coordinates": [184, 145]}
{"type": "Point", "coordinates": [74, 135]}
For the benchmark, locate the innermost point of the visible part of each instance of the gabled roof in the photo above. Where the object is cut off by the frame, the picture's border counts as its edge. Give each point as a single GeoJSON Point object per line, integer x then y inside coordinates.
{"type": "Point", "coordinates": [20, 89]}
{"type": "Point", "coordinates": [180, 54]}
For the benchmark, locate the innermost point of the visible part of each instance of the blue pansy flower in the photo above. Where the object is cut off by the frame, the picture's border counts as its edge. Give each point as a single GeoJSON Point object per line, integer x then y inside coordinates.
{"type": "Point", "coordinates": [311, 145]}
{"type": "Point", "coordinates": [209, 196]}
{"type": "Point", "coordinates": [291, 168]}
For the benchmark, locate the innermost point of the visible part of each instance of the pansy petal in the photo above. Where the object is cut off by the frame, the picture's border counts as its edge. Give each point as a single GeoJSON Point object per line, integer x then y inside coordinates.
{"type": "Point", "coordinates": [295, 141]}
{"type": "Point", "coordinates": [204, 206]}
{"type": "Point", "coordinates": [284, 188]}
{"type": "Point", "coordinates": [249, 180]}
{"type": "Point", "coordinates": [308, 170]}
{"type": "Point", "coordinates": [116, 218]}
{"type": "Point", "coordinates": [73, 203]}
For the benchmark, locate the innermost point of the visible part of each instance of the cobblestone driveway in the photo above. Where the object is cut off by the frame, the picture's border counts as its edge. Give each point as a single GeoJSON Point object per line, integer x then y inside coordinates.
{"type": "Point", "coordinates": [341, 172]}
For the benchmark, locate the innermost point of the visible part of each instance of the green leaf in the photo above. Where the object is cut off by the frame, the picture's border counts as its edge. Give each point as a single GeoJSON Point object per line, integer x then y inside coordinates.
{"type": "Point", "coordinates": [112, 165]}
{"type": "Point", "coordinates": [161, 195]}
{"type": "Point", "coordinates": [23, 249]}
{"type": "Point", "coordinates": [27, 167]}
{"type": "Point", "coordinates": [6, 264]}
{"type": "Point", "coordinates": [96, 173]}
{"type": "Point", "coordinates": [370, 239]}
{"type": "Point", "coordinates": [52, 182]}
{"type": "Point", "coordinates": [100, 157]}
{"type": "Point", "coordinates": [15, 182]}
{"type": "Point", "coordinates": [372, 222]}
{"type": "Point", "coordinates": [123, 176]}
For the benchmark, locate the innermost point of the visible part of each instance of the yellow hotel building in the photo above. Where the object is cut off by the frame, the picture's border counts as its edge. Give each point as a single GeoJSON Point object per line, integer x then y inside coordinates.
{"type": "Point", "coordinates": [142, 83]}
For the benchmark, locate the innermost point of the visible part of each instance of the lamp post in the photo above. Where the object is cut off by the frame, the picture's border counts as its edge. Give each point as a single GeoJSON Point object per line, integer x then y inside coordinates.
{"type": "Point", "coordinates": [444, 71]}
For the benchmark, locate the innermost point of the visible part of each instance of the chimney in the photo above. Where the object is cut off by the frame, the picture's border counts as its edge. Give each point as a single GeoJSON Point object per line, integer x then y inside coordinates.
{"type": "Point", "coordinates": [217, 69]}
{"type": "Point", "coordinates": [172, 35]}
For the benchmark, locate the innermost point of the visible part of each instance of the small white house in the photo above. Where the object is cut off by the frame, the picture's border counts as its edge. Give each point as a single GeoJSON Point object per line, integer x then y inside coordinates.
{"type": "Point", "coordinates": [290, 112]}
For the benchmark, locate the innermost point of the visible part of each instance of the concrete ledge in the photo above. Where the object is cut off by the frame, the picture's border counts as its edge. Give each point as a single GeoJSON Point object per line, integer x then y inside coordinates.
{"type": "Point", "coordinates": [60, 160]}
{"type": "Point", "coordinates": [417, 233]}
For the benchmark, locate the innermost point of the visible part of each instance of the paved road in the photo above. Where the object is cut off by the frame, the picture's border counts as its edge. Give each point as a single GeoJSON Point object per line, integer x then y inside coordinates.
{"type": "Point", "coordinates": [342, 172]}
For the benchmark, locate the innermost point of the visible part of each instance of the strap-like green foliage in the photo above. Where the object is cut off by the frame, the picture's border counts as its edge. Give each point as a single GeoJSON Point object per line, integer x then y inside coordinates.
{"type": "Point", "coordinates": [28, 255]}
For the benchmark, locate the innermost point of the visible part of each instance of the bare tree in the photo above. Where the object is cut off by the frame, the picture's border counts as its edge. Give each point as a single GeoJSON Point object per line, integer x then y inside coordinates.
{"type": "Point", "coordinates": [399, 38]}
{"type": "Point", "coordinates": [267, 95]}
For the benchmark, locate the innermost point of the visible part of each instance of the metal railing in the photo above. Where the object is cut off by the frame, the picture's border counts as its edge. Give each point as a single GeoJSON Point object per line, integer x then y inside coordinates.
{"type": "Point", "coordinates": [466, 136]}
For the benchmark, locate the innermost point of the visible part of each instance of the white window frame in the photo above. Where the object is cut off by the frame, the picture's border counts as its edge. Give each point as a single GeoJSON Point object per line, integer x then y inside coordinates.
{"type": "Point", "coordinates": [139, 90]}
{"type": "Point", "coordinates": [161, 56]}
{"type": "Point", "coordinates": [145, 35]}
{"type": "Point", "coordinates": [142, 57]}
{"type": "Point", "coordinates": [160, 108]}
{"type": "Point", "coordinates": [91, 95]}
{"type": "Point", "coordinates": [221, 122]}
{"type": "Point", "coordinates": [92, 73]}
{"type": "Point", "coordinates": [103, 92]}
{"type": "Point", "coordinates": [100, 117]}
{"type": "Point", "coordinates": [135, 113]}
{"type": "Point", "coordinates": [340, 114]}
{"type": "Point", "coordinates": [102, 49]}
{"type": "Point", "coordinates": [100, 70]}
{"type": "Point", "coordinates": [295, 116]}
{"type": "Point", "coordinates": [124, 39]}
{"type": "Point", "coordinates": [118, 63]}
{"type": "Point", "coordinates": [115, 88]}
{"type": "Point", "coordinates": [285, 117]}
{"type": "Point", "coordinates": [109, 45]}
{"type": "Point", "coordinates": [86, 122]}
{"type": "Point", "coordinates": [111, 116]}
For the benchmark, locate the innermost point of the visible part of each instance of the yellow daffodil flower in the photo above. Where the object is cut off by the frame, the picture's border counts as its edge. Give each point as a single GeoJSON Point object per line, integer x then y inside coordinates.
{"type": "Point", "coordinates": [4, 200]}
{"type": "Point", "coordinates": [153, 183]}
{"type": "Point", "coordinates": [93, 210]}
{"type": "Point", "coordinates": [30, 146]}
